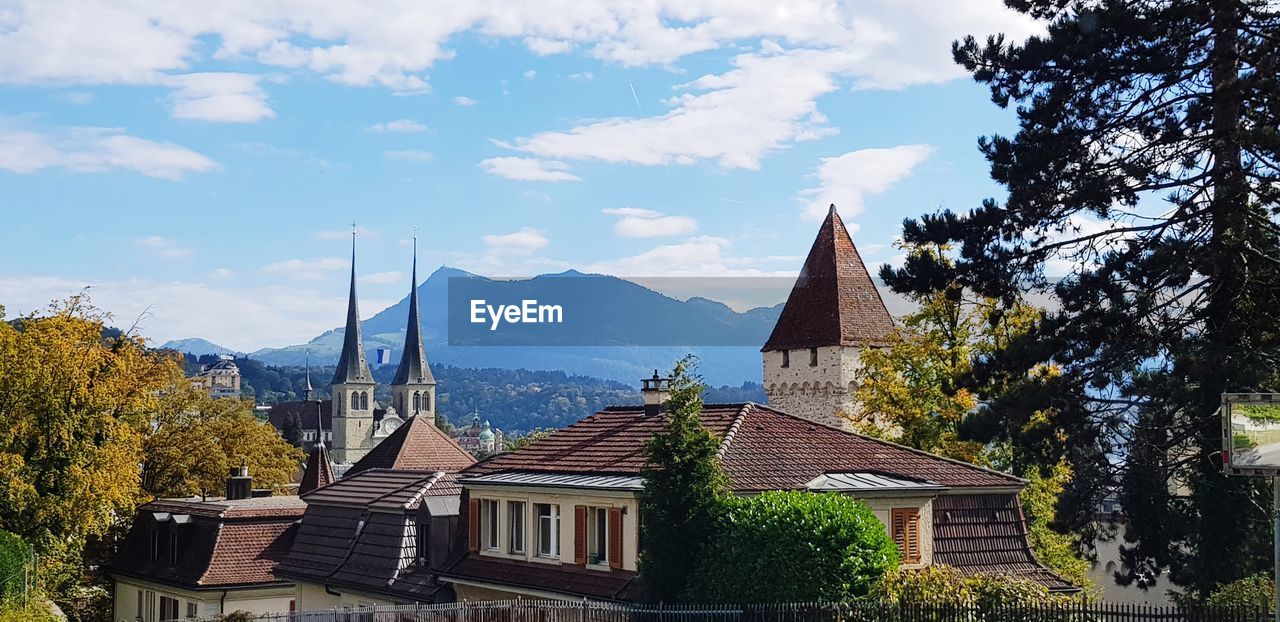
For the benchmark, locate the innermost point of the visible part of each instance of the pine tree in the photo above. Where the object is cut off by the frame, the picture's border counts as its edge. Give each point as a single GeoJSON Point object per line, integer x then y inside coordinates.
{"type": "Point", "coordinates": [1146, 162]}
{"type": "Point", "coordinates": [292, 430]}
{"type": "Point", "coordinates": [684, 490]}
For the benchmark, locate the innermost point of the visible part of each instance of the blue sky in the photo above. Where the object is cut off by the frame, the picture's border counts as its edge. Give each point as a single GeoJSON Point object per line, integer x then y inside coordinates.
{"type": "Point", "coordinates": [205, 168]}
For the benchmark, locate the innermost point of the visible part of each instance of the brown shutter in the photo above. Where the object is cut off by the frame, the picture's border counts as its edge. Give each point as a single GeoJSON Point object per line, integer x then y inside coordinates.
{"type": "Point", "coordinates": [580, 535]}
{"type": "Point", "coordinates": [615, 537]}
{"type": "Point", "coordinates": [906, 533]}
{"type": "Point", "coordinates": [473, 522]}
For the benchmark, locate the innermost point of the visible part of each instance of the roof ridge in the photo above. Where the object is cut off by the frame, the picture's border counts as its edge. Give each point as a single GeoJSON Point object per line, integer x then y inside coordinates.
{"type": "Point", "coordinates": [422, 490]}
{"type": "Point", "coordinates": [893, 444]}
{"type": "Point", "coordinates": [733, 429]}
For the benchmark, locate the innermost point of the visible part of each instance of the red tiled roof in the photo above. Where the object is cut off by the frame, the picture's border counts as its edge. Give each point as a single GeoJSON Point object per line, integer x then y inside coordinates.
{"type": "Point", "coordinates": [416, 445]}
{"type": "Point", "coordinates": [561, 579]}
{"type": "Point", "coordinates": [318, 472]}
{"type": "Point", "coordinates": [386, 488]}
{"type": "Point", "coordinates": [834, 300]}
{"type": "Point", "coordinates": [246, 552]}
{"type": "Point", "coordinates": [987, 534]}
{"type": "Point", "coordinates": [762, 449]}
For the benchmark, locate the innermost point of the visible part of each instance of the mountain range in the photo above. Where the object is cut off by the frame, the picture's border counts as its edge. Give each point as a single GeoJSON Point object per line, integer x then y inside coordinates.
{"type": "Point", "coordinates": [622, 306]}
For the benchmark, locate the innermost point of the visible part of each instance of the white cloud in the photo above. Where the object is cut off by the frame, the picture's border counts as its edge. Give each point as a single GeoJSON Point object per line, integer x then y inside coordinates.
{"type": "Point", "coordinates": [221, 274]}
{"type": "Point", "coordinates": [584, 76]}
{"type": "Point", "coordinates": [382, 278]}
{"type": "Point", "coordinates": [846, 179]}
{"type": "Point", "coordinates": [642, 223]}
{"type": "Point", "coordinates": [96, 150]}
{"type": "Point", "coordinates": [411, 155]}
{"type": "Point", "coordinates": [528, 169]}
{"type": "Point", "coordinates": [163, 247]}
{"type": "Point", "coordinates": [703, 255]}
{"type": "Point", "coordinates": [222, 97]}
{"type": "Point", "coordinates": [243, 319]}
{"type": "Point", "coordinates": [402, 126]}
{"type": "Point", "coordinates": [462, 100]}
{"type": "Point", "coordinates": [523, 242]}
{"type": "Point", "coordinates": [529, 74]}
{"type": "Point", "coordinates": [307, 270]}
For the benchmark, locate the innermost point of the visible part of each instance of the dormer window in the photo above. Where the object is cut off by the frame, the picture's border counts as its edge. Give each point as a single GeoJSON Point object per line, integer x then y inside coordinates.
{"type": "Point", "coordinates": [548, 530]}
{"type": "Point", "coordinates": [155, 544]}
{"type": "Point", "coordinates": [173, 546]}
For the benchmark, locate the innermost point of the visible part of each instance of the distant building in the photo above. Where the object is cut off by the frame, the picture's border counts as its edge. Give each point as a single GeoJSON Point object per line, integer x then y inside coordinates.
{"type": "Point", "coordinates": [479, 438]}
{"type": "Point", "coordinates": [221, 379]}
{"type": "Point", "coordinates": [194, 558]}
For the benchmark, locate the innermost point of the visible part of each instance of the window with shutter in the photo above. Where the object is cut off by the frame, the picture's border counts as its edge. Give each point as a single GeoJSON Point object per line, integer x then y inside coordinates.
{"type": "Point", "coordinates": [906, 533]}
{"type": "Point", "coordinates": [615, 537]}
{"type": "Point", "coordinates": [580, 535]}
{"type": "Point", "coordinates": [473, 523]}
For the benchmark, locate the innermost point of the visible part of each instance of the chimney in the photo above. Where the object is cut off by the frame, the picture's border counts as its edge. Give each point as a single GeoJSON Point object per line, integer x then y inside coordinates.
{"type": "Point", "coordinates": [656, 390]}
{"type": "Point", "coordinates": [239, 483]}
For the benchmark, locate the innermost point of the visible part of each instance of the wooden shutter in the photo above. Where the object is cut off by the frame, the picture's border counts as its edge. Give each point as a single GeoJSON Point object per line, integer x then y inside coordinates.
{"type": "Point", "coordinates": [580, 535]}
{"type": "Point", "coordinates": [615, 537]}
{"type": "Point", "coordinates": [906, 533]}
{"type": "Point", "coordinates": [473, 522]}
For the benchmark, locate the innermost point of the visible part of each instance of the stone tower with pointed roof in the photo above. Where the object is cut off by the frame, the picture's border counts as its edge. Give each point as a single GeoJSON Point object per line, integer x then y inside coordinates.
{"type": "Point", "coordinates": [811, 359]}
{"type": "Point", "coordinates": [352, 386]}
{"type": "Point", "coordinates": [413, 391]}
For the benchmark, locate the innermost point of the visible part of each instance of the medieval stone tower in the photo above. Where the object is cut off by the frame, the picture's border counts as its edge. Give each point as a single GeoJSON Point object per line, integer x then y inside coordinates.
{"type": "Point", "coordinates": [413, 391]}
{"type": "Point", "coordinates": [811, 359]}
{"type": "Point", "coordinates": [352, 387]}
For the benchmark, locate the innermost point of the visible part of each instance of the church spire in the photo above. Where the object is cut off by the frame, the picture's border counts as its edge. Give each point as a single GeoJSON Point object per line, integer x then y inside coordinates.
{"type": "Point", "coordinates": [413, 367]}
{"type": "Point", "coordinates": [352, 366]}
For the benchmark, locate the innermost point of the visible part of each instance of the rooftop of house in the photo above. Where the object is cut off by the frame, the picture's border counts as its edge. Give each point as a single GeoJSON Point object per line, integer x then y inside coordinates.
{"type": "Point", "coordinates": [761, 449]}
{"type": "Point", "coordinates": [356, 531]}
{"type": "Point", "coordinates": [222, 544]}
{"type": "Point", "coordinates": [834, 300]}
{"type": "Point", "coordinates": [416, 445]}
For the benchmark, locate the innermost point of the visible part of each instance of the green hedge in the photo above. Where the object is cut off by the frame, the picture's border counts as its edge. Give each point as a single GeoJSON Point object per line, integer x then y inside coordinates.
{"type": "Point", "coordinates": [794, 547]}
{"type": "Point", "coordinates": [13, 556]}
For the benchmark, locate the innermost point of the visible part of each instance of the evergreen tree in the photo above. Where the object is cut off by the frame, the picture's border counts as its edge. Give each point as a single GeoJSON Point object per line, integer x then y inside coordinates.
{"type": "Point", "coordinates": [1146, 163]}
{"type": "Point", "coordinates": [684, 490]}
{"type": "Point", "coordinates": [292, 430]}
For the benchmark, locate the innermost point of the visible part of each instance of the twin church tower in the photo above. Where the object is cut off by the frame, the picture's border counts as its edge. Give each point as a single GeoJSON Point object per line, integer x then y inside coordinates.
{"type": "Point", "coordinates": [413, 390]}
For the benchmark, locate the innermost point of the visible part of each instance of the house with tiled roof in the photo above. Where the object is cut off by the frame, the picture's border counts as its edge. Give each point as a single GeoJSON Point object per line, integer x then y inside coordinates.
{"type": "Point", "coordinates": [375, 537]}
{"type": "Point", "coordinates": [560, 518]}
{"type": "Point", "coordinates": [196, 558]}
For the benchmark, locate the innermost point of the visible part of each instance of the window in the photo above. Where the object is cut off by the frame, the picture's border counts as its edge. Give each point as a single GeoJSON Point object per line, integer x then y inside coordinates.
{"type": "Point", "coordinates": [813, 357]}
{"type": "Point", "coordinates": [426, 400]}
{"type": "Point", "coordinates": [417, 401]}
{"type": "Point", "coordinates": [140, 601]}
{"type": "Point", "coordinates": [364, 400]}
{"type": "Point", "coordinates": [355, 400]}
{"type": "Point", "coordinates": [598, 536]}
{"type": "Point", "coordinates": [191, 610]}
{"type": "Point", "coordinates": [168, 608]}
{"type": "Point", "coordinates": [548, 529]}
{"type": "Point", "coordinates": [155, 544]}
{"type": "Point", "coordinates": [489, 524]}
{"type": "Point", "coordinates": [173, 545]}
{"type": "Point", "coordinates": [515, 525]}
{"type": "Point", "coordinates": [905, 529]}
{"type": "Point", "coordinates": [423, 533]}
{"type": "Point", "coordinates": [786, 358]}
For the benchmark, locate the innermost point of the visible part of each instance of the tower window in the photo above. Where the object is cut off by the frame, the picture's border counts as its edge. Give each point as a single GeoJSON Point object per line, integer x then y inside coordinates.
{"type": "Point", "coordinates": [355, 400]}
{"type": "Point", "coordinates": [426, 400]}
{"type": "Point", "coordinates": [786, 358]}
{"type": "Point", "coordinates": [417, 401]}
{"type": "Point", "coordinates": [364, 401]}
{"type": "Point", "coordinates": [813, 357]}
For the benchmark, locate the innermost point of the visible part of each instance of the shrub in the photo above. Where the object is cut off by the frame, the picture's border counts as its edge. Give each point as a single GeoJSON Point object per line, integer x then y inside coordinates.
{"type": "Point", "coordinates": [943, 585]}
{"type": "Point", "coordinates": [13, 558]}
{"type": "Point", "coordinates": [794, 546]}
{"type": "Point", "coordinates": [1255, 591]}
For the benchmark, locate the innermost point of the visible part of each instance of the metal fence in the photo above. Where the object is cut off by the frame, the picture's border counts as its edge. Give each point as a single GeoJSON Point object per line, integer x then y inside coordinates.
{"type": "Point", "coordinates": [861, 611]}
